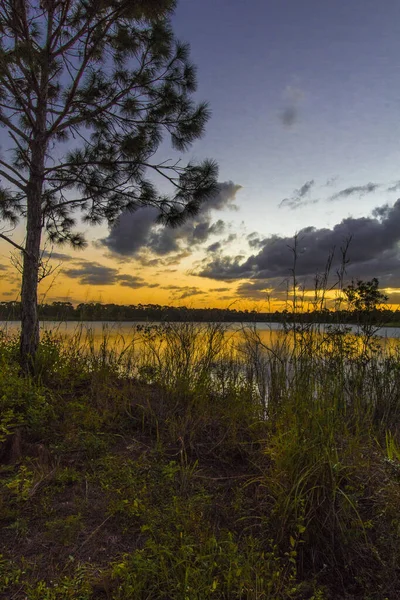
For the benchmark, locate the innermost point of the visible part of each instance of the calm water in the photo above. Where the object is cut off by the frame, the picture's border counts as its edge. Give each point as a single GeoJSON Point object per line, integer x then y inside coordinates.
{"type": "Point", "coordinates": [118, 332]}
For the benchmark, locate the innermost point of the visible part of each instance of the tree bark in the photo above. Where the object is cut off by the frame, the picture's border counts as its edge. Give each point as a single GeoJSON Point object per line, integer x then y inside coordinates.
{"type": "Point", "coordinates": [29, 341]}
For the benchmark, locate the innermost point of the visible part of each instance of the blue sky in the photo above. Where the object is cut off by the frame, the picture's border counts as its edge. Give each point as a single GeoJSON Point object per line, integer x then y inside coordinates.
{"type": "Point", "coordinates": [334, 64]}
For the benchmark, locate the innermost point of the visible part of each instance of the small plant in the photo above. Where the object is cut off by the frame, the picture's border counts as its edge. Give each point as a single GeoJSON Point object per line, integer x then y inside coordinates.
{"type": "Point", "coordinates": [21, 484]}
{"type": "Point", "coordinates": [65, 530]}
{"type": "Point", "coordinates": [10, 574]}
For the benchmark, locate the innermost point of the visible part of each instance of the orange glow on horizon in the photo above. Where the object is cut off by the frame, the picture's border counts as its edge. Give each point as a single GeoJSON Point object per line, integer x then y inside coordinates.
{"type": "Point", "coordinates": [173, 285]}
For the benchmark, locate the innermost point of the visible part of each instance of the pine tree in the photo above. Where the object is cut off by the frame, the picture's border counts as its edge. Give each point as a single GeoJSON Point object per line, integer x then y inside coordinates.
{"type": "Point", "coordinates": [88, 90]}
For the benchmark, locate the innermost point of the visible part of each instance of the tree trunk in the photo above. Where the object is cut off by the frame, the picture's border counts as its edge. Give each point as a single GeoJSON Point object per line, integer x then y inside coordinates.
{"type": "Point", "coordinates": [29, 314]}
{"type": "Point", "coordinates": [29, 341]}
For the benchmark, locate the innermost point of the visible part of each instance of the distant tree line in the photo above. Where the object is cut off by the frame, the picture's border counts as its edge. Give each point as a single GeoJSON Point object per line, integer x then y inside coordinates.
{"type": "Point", "coordinates": [95, 311]}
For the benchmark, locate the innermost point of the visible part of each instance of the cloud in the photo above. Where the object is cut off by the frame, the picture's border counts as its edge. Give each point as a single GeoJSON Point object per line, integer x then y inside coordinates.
{"type": "Point", "coordinates": [374, 252]}
{"type": "Point", "coordinates": [131, 232]}
{"type": "Point", "coordinates": [299, 197]}
{"type": "Point", "coordinates": [133, 282]}
{"type": "Point", "coordinates": [289, 115]}
{"type": "Point", "coordinates": [146, 260]}
{"type": "Point", "coordinates": [254, 240]}
{"type": "Point", "coordinates": [214, 247]}
{"type": "Point", "coordinates": [92, 273]}
{"type": "Point", "coordinates": [231, 238]}
{"type": "Point", "coordinates": [57, 256]}
{"type": "Point", "coordinates": [188, 292]}
{"type": "Point", "coordinates": [3, 267]}
{"type": "Point", "coordinates": [137, 234]}
{"type": "Point", "coordinates": [254, 290]}
{"type": "Point", "coordinates": [359, 190]}
{"type": "Point", "coordinates": [331, 181]}
{"type": "Point", "coordinates": [394, 187]}
{"type": "Point", "coordinates": [171, 287]}
{"type": "Point", "coordinates": [305, 188]}
{"type": "Point", "coordinates": [180, 292]}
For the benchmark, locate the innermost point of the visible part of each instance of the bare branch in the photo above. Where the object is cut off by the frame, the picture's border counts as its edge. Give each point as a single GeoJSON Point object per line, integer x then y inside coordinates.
{"type": "Point", "coordinates": [12, 180]}
{"type": "Point", "coordinates": [10, 241]}
{"type": "Point", "coordinates": [10, 125]}
{"type": "Point", "coordinates": [11, 168]}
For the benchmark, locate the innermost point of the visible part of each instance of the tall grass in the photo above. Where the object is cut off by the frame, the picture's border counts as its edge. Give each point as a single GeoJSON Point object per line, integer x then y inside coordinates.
{"type": "Point", "coordinates": [309, 425]}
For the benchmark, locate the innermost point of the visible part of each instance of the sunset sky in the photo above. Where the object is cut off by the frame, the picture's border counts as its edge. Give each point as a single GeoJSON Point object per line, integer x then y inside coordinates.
{"type": "Point", "coordinates": [305, 100]}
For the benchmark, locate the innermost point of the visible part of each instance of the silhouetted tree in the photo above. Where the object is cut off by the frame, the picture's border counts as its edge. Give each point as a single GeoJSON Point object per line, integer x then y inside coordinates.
{"type": "Point", "coordinates": [364, 301]}
{"type": "Point", "coordinates": [364, 296]}
{"type": "Point", "coordinates": [88, 90]}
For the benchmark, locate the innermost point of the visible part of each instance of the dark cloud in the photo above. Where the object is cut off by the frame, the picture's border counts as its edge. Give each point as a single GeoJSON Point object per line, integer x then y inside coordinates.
{"type": "Point", "coordinates": [220, 289]}
{"type": "Point", "coordinates": [381, 212]}
{"type": "Point", "coordinates": [305, 188]}
{"type": "Point", "coordinates": [204, 230]}
{"type": "Point", "coordinates": [359, 190]}
{"type": "Point", "coordinates": [57, 256]}
{"type": "Point", "coordinates": [225, 268]}
{"type": "Point", "coordinates": [180, 292]}
{"type": "Point", "coordinates": [254, 290]}
{"type": "Point", "coordinates": [131, 232]}
{"type": "Point", "coordinates": [146, 260]}
{"type": "Point", "coordinates": [131, 281]}
{"type": "Point", "coordinates": [137, 234]}
{"type": "Point", "coordinates": [166, 271]}
{"type": "Point", "coordinates": [373, 252]}
{"type": "Point", "coordinates": [214, 247]}
{"type": "Point", "coordinates": [217, 246]}
{"type": "Point", "coordinates": [299, 197]}
{"type": "Point", "coordinates": [254, 240]}
{"type": "Point", "coordinates": [231, 238]}
{"type": "Point", "coordinates": [188, 292]}
{"type": "Point", "coordinates": [91, 273]}
{"type": "Point", "coordinates": [256, 243]}
{"type": "Point", "coordinates": [3, 268]}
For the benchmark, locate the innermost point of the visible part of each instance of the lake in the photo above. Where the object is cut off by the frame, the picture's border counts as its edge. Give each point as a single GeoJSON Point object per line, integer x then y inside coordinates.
{"type": "Point", "coordinates": [123, 333]}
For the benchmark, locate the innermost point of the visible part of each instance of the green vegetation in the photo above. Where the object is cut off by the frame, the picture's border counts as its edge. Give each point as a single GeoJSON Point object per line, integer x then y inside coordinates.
{"type": "Point", "coordinates": [197, 469]}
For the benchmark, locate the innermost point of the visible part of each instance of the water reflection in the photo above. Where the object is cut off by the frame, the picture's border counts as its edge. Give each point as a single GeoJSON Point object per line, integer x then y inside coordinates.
{"type": "Point", "coordinates": [119, 334]}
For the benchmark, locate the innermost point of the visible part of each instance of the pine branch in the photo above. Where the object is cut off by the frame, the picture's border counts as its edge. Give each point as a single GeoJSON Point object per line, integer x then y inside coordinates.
{"type": "Point", "coordinates": [10, 168]}
{"type": "Point", "coordinates": [10, 241]}
{"type": "Point", "coordinates": [12, 180]}
{"type": "Point", "coordinates": [14, 128]}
